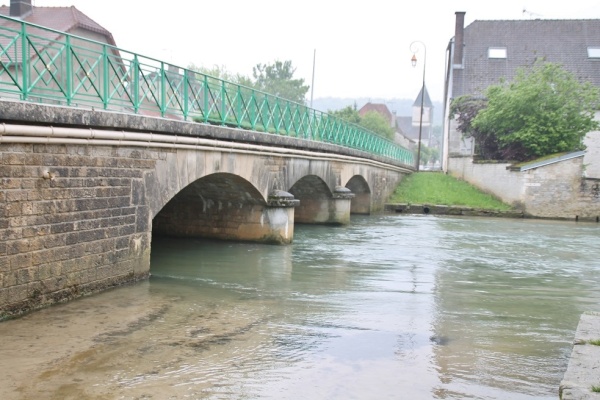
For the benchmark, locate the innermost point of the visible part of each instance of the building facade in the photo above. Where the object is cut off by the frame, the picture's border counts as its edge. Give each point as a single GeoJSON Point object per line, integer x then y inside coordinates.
{"type": "Point", "coordinates": [486, 52]}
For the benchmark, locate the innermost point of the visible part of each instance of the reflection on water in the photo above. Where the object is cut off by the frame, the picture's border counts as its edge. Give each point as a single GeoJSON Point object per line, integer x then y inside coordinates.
{"type": "Point", "coordinates": [400, 307]}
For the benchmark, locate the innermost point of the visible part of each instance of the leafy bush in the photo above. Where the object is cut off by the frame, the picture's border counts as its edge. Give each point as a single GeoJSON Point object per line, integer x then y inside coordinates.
{"type": "Point", "coordinates": [544, 110]}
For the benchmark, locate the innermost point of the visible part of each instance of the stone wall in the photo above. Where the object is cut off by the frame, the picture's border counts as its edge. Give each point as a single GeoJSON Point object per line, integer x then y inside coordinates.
{"type": "Point", "coordinates": [584, 363]}
{"type": "Point", "coordinates": [490, 177]}
{"type": "Point", "coordinates": [555, 190]}
{"type": "Point", "coordinates": [71, 221]}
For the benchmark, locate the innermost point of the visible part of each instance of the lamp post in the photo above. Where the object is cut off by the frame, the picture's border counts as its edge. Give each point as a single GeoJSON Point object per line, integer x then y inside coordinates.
{"type": "Point", "coordinates": [413, 60]}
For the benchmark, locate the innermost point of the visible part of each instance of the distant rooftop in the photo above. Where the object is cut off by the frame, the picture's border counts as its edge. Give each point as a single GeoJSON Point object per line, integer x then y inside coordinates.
{"type": "Point", "coordinates": [64, 19]}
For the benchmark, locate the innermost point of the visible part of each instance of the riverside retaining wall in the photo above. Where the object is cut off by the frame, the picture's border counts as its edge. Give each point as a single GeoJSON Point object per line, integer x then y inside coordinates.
{"type": "Point", "coordinates": [405, 208]}
{"type": "Point", "coordinates": [559, 190]}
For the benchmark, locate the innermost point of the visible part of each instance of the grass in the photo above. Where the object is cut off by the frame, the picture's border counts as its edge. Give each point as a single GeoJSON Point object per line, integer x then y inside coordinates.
{"type": "Point", "coordinates": [595, 342]}
{"type": "Point", "coordinates": [437, 188]}
{"type": "Point", "coordinates": [596, 389]}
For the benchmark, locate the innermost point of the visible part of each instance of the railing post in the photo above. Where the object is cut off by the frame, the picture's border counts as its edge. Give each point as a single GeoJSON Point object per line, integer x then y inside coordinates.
{"type": "Point", "coordinates": [136, 83]}
{"type": "Point", "coordinates": [265, 112]}
{"type": "Point", "coordinates": [238, 107]}
{"type": "Point", "coordinates": [105, 77]}
{"type": "Point", "coordinates": [69, 74]}
{"type": "Point", "coordinates": [186, 104]}
{"type": "Point", "coordinates": [163, 90]}
{"type": "Point", "coordinates": [223, 105]}
{"type": "Point", "coordinates": [251, 112]}
{"type": "Point", "coordinates": [24, 61]}
{"type": "Point", "coordinates": [205, 91]}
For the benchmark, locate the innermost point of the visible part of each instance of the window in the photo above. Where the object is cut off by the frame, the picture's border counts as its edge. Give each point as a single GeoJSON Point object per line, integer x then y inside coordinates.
{"type": "Point", "coordinates": [594, 52]}
{"type": "Point", "coordinates": [497, 52]}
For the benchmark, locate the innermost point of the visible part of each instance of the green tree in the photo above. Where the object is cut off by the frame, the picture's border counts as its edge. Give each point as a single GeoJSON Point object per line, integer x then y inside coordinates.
{"type": "Point", "coordinates": [544, 110]}
{"type": "Point", "coordinates": [372, 120]}
{"type": "Point", "coordinates": [221, 72]}
{"type": "Point", "coordinates": [348, 113]}
{"type": "Point", "coordinates": [277, 79]}
{"type": "Point", "coordinates": [378, 124]}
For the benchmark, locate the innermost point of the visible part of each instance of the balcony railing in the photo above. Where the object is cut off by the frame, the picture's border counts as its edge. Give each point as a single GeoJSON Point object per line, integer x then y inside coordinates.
{"type": "Point", "coordinates": [43, 65]}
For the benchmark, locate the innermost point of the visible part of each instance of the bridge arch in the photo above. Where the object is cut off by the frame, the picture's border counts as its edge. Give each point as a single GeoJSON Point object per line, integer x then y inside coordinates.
{"type": "Point", "coordinates": [361, 204]}
{"type": "Point", "coordinates": [315, 198]}
{"type": "Point", "coordinates": [219, 205]}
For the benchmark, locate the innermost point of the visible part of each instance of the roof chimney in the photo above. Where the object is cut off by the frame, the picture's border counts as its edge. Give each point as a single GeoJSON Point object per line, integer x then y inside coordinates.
{"type": "Point", "coordinates": [20, 8]}
{"type": "Point", "coordinates": [459, 37]}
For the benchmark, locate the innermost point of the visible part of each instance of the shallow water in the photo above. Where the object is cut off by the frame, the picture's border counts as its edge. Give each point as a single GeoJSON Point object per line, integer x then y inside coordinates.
{"type": "Point", "coordinates": [397, 307]}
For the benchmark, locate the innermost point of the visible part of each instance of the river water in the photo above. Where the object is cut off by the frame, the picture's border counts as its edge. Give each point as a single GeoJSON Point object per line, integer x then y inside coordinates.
{"type": "Point", "coordinates": [389, 307]}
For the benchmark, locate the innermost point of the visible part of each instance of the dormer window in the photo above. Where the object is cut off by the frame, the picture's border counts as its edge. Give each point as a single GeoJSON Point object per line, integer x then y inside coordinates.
{"type": "Point", "coordinates": [594, 52]}
{"type": "Point", "coordinates": [497, 52]}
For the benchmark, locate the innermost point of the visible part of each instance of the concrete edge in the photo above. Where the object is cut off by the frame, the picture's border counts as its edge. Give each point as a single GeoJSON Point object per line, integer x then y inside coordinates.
{"type": "Point", "coordinates": [405, 208]}
{"type": "Point", "coordinates": [583, 370]}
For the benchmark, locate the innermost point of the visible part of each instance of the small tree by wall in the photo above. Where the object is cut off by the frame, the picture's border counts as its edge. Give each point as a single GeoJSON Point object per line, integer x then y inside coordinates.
{"type": "Point", "coordinates": [544, 110]}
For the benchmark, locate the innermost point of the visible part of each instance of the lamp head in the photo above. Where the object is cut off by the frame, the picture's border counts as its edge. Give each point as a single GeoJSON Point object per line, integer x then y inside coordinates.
{"type": "Point", "coordinates": [413, 60]}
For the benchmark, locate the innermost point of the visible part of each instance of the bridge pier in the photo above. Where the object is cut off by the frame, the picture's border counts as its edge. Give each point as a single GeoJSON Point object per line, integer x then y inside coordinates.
{"type": "Point", "coordinates": [188, 216]}
{"type": "Point", "coordinates": [279, 218]}
{"type": "Point", "coordinates": [334, 210]}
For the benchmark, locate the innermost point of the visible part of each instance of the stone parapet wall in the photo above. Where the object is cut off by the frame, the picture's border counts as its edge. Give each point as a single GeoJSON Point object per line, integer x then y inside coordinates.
{"type": "Point", "coordinates": [490, 177]}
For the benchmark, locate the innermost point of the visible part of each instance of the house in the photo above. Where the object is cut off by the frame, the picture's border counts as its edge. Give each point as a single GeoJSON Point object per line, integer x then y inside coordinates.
{"type": "Point", "coordinates": [486, 52]}
{"type": "Point", "coordinates": [45, 76]}
{"type": "Point", "coordinates": [390, 117]}
{"type": "Point", "coordinates": [63, 19]}
{"type": "Point", "coordinates": [379, 108]}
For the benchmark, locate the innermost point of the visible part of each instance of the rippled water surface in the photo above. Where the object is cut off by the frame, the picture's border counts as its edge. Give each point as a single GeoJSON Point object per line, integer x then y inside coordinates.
{"type": "Point", "coordinates": [390, 307]}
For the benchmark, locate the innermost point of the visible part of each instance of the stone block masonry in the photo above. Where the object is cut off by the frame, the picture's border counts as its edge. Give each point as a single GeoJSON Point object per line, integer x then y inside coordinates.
{"type": "Point", "coordinates": [557, 190]}
{"type": "Point", "coordinates": [582, 378]}
{"type": "Point", "coordinates": [72, 221]}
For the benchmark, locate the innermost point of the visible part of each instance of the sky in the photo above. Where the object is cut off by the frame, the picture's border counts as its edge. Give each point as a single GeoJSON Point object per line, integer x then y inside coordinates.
{"type": "Point", "coordinates": [341, 48]}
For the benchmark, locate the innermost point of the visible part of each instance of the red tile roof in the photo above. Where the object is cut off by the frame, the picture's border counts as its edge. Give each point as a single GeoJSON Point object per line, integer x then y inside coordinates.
{"type": "Point", "coordinates": [377, 107]}
{"type": "Point", "coordinates": [63, 19]}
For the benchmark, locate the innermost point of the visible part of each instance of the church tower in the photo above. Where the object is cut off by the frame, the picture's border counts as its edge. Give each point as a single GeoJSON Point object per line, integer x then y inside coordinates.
{"type": "Point", "coordinates": [427, 114]}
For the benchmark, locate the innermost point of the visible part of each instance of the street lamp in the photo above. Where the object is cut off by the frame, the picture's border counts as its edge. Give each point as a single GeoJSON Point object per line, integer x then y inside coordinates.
{"type": "Point", "coordinates": [413, 61]}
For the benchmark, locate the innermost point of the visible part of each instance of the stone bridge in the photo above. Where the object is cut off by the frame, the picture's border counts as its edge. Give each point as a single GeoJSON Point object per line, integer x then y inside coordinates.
{"type": "Point", "coordinates": [83, 192]}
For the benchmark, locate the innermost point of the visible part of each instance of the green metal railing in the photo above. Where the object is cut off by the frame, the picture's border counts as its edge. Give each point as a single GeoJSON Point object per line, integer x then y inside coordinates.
{"type": "Point", "coordinates": [42, 65]}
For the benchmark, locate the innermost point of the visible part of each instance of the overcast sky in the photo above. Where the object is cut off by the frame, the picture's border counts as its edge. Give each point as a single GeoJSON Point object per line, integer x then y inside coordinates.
{"type": "Point", "coordinates": [362, 47]}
